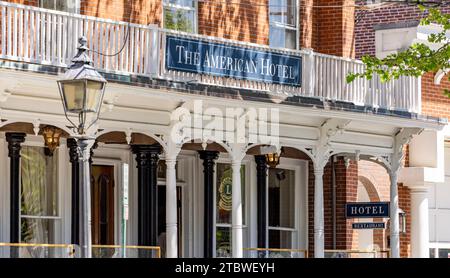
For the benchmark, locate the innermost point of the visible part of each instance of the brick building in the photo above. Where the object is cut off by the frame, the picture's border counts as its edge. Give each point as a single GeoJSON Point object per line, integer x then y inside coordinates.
{"type": "Point", "coordinates": [386, 30]}
{"type": "Point", "coordinates": [278, 64]}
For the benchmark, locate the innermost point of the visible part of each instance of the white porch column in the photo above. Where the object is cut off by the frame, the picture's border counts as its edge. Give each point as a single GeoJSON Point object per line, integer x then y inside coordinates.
{"type": "Point", "coordinates": [237, 243]}
{"type": "Point", "coordinates": [171, 208]}
{"type": "Point", "coordinates": [394, 165]}
{"type": "Point", "coordinates": [394, 217]}
{"type": "Point", "coordinates": [319, 230]}
{"type": "Point", "coordinates": [420, 236]}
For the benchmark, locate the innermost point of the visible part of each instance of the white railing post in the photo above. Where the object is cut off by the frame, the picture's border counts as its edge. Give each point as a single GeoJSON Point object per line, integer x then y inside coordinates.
{"type": "Point", "coordinates": [309, 73]}
{"type": "Point", "coordinates": [153, 52]}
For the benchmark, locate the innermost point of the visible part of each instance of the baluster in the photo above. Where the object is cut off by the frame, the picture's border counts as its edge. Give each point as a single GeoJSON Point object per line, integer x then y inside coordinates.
{"type": "Point", "coordinates": [136, 50]}
{"type": "Point", "coordinates": [3, 37]}
{"type": "Point", "coordinates": [107, 45]}
{"type": "Point", "coordinates": [132, 47]}
{"type": "Point", "coordinates": [15, 39]}
{"type": "Point", "coordinates": [101, 44]}
{"type": "Point", "coordinates": [118, 41]}
{"type": "Point", "coordinates": [148, 52]}
{"type": "Point", "coordinates": [33, 36]}
{"type": "Point", "coordinates": [9, 52]}
{"type": "Point", "coordinates": [43, 36]}
{"type": "Point", "coordinates": [64, 37]}
{"type": "Point", "coordinates": [24, 37]}
{"type": "Point", "coordinates": [48, 38]}
{"type": "Point", "coordinates": [53, 52]}
{"type": "Point", "coordinates": [141, 69]}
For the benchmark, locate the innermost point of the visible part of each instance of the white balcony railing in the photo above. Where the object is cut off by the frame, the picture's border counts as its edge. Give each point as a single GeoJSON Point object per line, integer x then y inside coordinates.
{"type": "Point", "coordinates": [46, 37]}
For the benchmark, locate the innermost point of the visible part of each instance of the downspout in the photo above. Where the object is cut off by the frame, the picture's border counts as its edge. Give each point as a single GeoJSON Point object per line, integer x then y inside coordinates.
{"type": "Point", "coordinates": [333, 199]}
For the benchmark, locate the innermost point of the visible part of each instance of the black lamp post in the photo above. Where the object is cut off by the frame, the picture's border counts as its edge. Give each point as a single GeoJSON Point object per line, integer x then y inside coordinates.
{"type": "Point", "coordinates": [82, 89]}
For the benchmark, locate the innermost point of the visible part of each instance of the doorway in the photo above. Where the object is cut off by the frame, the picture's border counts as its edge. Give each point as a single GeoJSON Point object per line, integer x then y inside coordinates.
{"type": "Point", "coordinates": [102, 209]}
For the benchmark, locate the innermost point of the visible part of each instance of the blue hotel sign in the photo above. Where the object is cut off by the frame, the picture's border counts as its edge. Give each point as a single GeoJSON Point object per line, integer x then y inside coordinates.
{"type": "Point", "coordinates": [230, 61]}
{"type": "Point", "coordinates": [367, 210]}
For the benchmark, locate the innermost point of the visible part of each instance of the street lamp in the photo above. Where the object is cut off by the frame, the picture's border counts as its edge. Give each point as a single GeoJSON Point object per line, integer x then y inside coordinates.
{"type": "Point", "coordinates": [82, 89]}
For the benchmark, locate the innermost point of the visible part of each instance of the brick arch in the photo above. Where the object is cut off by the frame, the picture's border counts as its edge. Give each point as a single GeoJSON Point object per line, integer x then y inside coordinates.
{"type": "Point", "coordinates": [369, 185]}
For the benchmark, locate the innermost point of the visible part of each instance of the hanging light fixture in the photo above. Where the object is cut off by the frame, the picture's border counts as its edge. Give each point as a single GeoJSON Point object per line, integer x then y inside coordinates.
{"type": "Point", "coordinates": [52, 136]}
{"type": "Point", "coordinates": [273, 159]}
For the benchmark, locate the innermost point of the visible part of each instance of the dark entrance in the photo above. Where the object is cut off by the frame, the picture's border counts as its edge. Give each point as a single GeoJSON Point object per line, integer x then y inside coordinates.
{"type": "Point", "coordinates": [102, 209]}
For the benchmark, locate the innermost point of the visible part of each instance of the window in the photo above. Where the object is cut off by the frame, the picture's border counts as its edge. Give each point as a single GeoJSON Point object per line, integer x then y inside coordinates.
{"type": "Point", "coordinates": [224, 208]}
{"type": "Point", "coordinates": [180, 15]}
{"type": "Point", "coordinates": [439, 253]}
{"type": "Point", "coordinates": [281, 208]}
{"type": "Point", "coordinates": [39, 200]}
{"type": "Point", "coordinates": [70, 6]}
{"type": "Point", "coordinates": [283, 23]}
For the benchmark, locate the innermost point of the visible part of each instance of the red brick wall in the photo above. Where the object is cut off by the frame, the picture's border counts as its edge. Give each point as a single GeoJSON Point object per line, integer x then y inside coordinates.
{"type": "Point", "coordinates": [309, 25]}
{"type": "Point", "coordinates": [404, 198]}
{"type": "Point", "coordinates": [138, 11]}
{"type": "Point", "coordinates": [336, 27]}
{"type": "Point", "coordinates": [25, 2]}
{"type": "Point", "coordinates": [245, 20]}
{"type": "Point", "coordinates": [434, 102]}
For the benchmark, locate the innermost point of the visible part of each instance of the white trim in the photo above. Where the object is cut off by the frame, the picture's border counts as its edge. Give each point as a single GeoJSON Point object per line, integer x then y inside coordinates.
{"type": "Point", "coordinates": [300, 230]}
{"type": "Point", "coordinates": [440, 245]}
{"type": "Point", "coordinates": [118, 189]}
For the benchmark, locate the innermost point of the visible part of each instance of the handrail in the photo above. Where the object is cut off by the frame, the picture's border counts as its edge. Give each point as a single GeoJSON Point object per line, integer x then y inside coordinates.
{"type": "Point", "coordinates": [5, 244]}
{"type": "Point", "coordinates": [157, 248]}
{"type": "Point", "coordinates": [304, 251]}
{"type": "Point", "coordinates": [355, 251]}
{"type": "Point", "coordinates": [70, 247]}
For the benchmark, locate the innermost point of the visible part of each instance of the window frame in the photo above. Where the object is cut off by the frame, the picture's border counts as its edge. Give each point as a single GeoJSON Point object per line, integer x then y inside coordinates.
{"type": "Point", "coordinates": [181, 7]}
{"type": "Point", "coordinates": [77, 6]}
{"type": "Point", "coordinates": [299, 233]}
{"type": "Point", "coordinates": [245, 221]}
{"type": "Point", "coordinates": [285, 26]}
{"type": "Point", "coordinates": [60, 222]}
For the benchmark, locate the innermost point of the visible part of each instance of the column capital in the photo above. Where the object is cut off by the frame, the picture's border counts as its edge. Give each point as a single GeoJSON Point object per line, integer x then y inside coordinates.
{"type": "Point", "coordinates": [146, 155]}
{"type": "Point", "coordinates": [208, 155]}
{"type": "Point", "coordinates": [84, 148]}
{"type": "Point", "coordinates": [260, 160]}
{"type": "Point", "coordinates": [236, 163]}
{"type": "Point", "coordinates": [15, 140]}
{"type": "Point", "coordinates": [91, 151]}
{"type": "Point", "coordinates": [73, 149]}
{"type": "Point", "coordinates": [318, 171]}
{"type": "Point", "coordinates": [170, 162]}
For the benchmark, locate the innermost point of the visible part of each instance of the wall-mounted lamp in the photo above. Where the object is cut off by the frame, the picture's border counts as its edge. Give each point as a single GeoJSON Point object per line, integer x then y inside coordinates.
{"type": "Point", "coordinates": [52, 136]}
{"type": "Point", "coordinates": [402, 221]}
{"type": "Point", "coordinates": [273, 159]}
